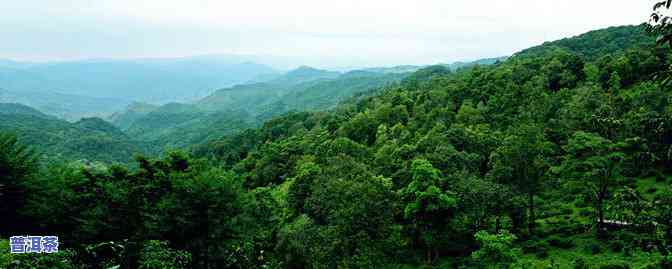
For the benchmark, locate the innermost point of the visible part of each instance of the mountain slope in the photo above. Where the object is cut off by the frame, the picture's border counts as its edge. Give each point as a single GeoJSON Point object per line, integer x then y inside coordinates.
{"type": "Point", "coordinates": [594, 44]}
{"type": "Point", "coordinates": [231, 110]}
{"type": "Point", "coordinates": [91, 139]}
{"type": "Point", "coordinates": [65, 106]}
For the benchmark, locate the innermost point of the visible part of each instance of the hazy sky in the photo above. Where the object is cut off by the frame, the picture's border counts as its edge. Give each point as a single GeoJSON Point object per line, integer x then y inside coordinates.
{"type": "Point", "coordinates": [322, 33]}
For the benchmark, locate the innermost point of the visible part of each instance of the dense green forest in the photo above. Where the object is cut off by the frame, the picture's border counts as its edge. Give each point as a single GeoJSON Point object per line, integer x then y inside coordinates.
{"type": "Point", "coordinates": [559, 156]}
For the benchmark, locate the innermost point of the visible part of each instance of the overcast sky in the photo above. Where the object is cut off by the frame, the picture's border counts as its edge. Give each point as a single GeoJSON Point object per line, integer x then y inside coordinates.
{"type": "Point", "coordinates": [322, 33]}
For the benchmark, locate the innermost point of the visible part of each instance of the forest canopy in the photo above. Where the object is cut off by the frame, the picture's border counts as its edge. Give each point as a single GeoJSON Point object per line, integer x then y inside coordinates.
{"type": "Point", "coordinates": [559, 156]}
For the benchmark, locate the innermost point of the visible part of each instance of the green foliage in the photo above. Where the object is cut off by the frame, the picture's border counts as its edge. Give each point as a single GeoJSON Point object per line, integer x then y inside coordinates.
{"type": "Point", "coordinates": [495, 250]}
{"type": "Point", "coordinates": [157, 255]}
{"type": "Point", "coordinates": [17, 165]}
{"type": "Point", "coordinates": [395, 178]}
{"type": "Point", "coordinates": [88, 139]}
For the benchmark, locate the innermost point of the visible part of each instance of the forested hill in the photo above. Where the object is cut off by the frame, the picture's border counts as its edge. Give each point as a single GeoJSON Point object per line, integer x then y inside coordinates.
{"type": "Point", "coordinates": [597, 43]}
{"type": "Point", "coordinates": [231, 110]}
{"type": "Point", "coordinates": [545, 160]}
{"type": "Point", "coordinates": [91, 139]}
{"type": "Point", "coordinates": [550, 146]}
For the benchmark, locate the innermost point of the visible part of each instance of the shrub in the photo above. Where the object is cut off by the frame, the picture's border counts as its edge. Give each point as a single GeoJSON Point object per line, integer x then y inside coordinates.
{"type": "Point", "coordinates": [594, 249]}
{"type": "Point", "coordinates": [616, 245]}
{"type": "Point", "coordinates": [585, 212]}
{"type": "Point", "coordinates": [560, 242]}
{"type": "Point", "coordinates": [615, 265]}
{"type": "Point", "coordinates": [157, 254]}
{"type": "Point", "coordinates": [567, 211]}
{"type": "Point", "coordinates": [660, 177]}
{"type": "Point", "coordinates": [666, 262]}
{"type": "Point", "coordinates": [533, 246]}
{"type": "Point", "coordinates": [495, 248]}
{"type": "Point", "coordinates": [580, 263]}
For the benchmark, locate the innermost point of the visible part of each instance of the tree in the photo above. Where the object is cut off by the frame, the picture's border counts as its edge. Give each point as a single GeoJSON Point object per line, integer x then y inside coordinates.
{"type": "Point", "coordinates": [496, 250]}
{"type": "Point", "coordinates": [595, 163]}
{"type": "Point", "coordinates": [348, 215]}
{"type": "Point", "coordinates": [17, 164]}
{"type": "Point", "coordinates": [521, 161]}
{"type": "Point", "coordinates": [662, 205]}
{"type": "Point", "coordinates": [630, 207]}
{"type": "Point", "coordinates": [306, 174]}
{"type": "Point", "coordinates": [427, 205]}
{"type": "Point", "coordinates": [481, 199]}
{"type": "Point", "coordinates": [660, 24]}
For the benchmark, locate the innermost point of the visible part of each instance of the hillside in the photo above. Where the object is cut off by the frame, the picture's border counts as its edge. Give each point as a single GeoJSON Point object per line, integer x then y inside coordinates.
{"type": "Point", "coordinates": [89, 139]}
{"type": "Point", "coordinates": [559, 172]}
{"type": "Point", "coordinates": [557, 157]}
{"type": "Point", "coordinates": [65, 106]}
{"type": "Point", "coordinates": [234, 109]}
{"type": "Point", "coordinates": [134, 111]}
{"type": "Point", "coordinates": [595, 44]}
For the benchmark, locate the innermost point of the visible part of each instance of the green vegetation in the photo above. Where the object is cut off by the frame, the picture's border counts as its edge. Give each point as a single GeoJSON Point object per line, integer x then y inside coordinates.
{"type": "Point", "coordinates": [89, 139]}
{"type": "Point", "coordinates": [232, 110]}
{"type": "Point", "coordinates": [557, 157]}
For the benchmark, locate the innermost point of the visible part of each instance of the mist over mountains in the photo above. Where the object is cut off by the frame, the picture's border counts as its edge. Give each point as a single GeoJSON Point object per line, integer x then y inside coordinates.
{"type": "Point", "coordinates": [149, 105]}
{"type": "Point", "coordinates": [148, 80]}
{"type": "Point", "coordinates": [100, 87]}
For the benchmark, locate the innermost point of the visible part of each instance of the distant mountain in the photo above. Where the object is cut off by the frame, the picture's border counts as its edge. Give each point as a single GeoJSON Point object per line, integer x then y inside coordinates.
{"type": "Point", "coordinates": [299, 89]}
{"type": "Point", "coordinates": [147, 80]}
{"type": "Point", "coordinates": [305, 74]}
{"type": "Point", "coordinates": [88, 139]}
{"type": "Point", "coordinates": [452, 66]}
{"type": "Point", "coordinates": [19, 109]}
{"type": "Point", "coordinates": [133, 112]}
{"type": "Point", "coordinates": [239, 107]}
{"type": "Point", "coordinates": [65, 106]}
{"type": "Point", "coordinates": [485, 61]}
{"type": "Point", "coordinates": [394, 69]}
{"type": "Point", "coordinates": [243, 106]}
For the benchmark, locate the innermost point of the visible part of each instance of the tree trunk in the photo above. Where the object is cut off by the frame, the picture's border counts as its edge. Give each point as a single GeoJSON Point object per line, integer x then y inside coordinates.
{"type": "Point", "coordinates": [498, 224]}
{"type": "Point", "coordinates": [600, 217]}
{"type": "Point", "coordinates": [532, 219]}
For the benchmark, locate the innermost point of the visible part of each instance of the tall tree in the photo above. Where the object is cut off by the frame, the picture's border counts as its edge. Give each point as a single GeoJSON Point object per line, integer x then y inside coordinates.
{"type": "Point", "coordinates": [17, 164]}
{"type": "Point", "coordinates": [427, 205]}
{"type": "Point", "coordinates": [521, 161]}
{"type": "Point", "coordinates": [595, 163]}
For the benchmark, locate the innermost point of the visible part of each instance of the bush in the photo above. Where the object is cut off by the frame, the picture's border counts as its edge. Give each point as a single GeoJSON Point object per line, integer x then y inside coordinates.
{"type": "Point", "coordinates": [560, 242]}
{"type": "Point", "coordinates": [666, 262]}
{"type": "Point", "coordinates": [157, 254]}
{"type": "Point", "coordinates": [615, 265]}
{"type": "Point", "coordinates": [541, 253]}
{"type": "Point", "coordinates": [580, 263]}
{"type": "Point", "coordinates": [585, 212]}
{"type": "Point", "coordinates": [594, 249]}
{"type": "Point", "coordinates": [616, 245]}
{"type": "Point", "coordinates": [660, 177]}
{"type": "Point", "coordinates": [495, 248]}
{"type": "Point", "coordinates": [538, 248]}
